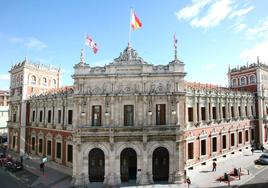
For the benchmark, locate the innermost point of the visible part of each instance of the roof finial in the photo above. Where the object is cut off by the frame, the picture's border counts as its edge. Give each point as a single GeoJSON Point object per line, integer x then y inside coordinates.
{"type": "Point", "coordinates": [175, 45]}
{"type": "Point", "coordinates": [82, 59]}
{"type": "Point", "coordinates": [229, 68]}
{"type": "Point", "coordinates": [258, 61]}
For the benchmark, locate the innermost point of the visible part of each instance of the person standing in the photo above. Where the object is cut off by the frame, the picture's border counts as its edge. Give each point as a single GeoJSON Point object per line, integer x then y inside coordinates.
{"type": "Point", "coordinates": [214, 165]}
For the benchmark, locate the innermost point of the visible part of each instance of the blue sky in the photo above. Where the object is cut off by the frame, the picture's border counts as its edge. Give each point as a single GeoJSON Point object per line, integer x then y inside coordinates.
{"type": "Point", "coordinates": [211, 34]}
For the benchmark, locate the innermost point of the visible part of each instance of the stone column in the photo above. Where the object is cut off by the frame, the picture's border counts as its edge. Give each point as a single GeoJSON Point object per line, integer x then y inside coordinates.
{"type": "Point", "coordinates": [112, 180]}
{"type": "Point", "coordinates": [207, 109]}
{"type": "Point", "coordinates": [195, 111]}
{"type": "Point", "coordinates": [79, 178]}
{"type": "Point", "coordinates": [217, 110]}
{"type": "Point", "coordinates": [179, 176]}
{"type": "Point", "coordinates": [144, 177]}
{"type": "Point", "coordinates": [199, 110]}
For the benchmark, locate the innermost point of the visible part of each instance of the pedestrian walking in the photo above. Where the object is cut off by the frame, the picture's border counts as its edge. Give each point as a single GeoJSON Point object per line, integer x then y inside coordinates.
{"type": "Point", "coordinates": [188, 181]}
{"type": "Point", "coordinates": [252, 150]}
{"type": "Point", "coordinates": [262, 148]}
{"type": "Point", "coordinates": [42, 167]}
{"type": "Point", "coordinates": [21, 159]}
{"type": "Point", "coordinates": [214, 165]}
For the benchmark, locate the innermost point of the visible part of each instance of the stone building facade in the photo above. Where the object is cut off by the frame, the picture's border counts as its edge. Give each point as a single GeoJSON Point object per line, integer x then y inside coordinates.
{"type": "Point", "coordinates": [131, 120]}
{"type": "Point", "coordinates": [4, 98]}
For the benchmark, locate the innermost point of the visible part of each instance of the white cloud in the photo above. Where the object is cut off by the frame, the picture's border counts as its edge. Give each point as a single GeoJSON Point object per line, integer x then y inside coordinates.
{"type": "Point", "coordinates": [15, 40]}
{"type": "Point", "coordinates": [30, 42]}
{"type": "Point", "coordinates": [192, 10]}
{"type": "Point", "coordinates": [260, 31]}
{"type": "Point", "coordinates": [4, 77]}
{"type": "Point", "coordinates": [210, 13]}
{"type": "Point", "coordinates": [34, 43]}
{"type": "Point", "coordinates": [240, 27]}
{"type": "Point", "coordinates": [241, 12]}
{"type": "Point", "coordinates": [211, 66]}
{"type": "Point", "coordinates": [217, 12]}
{"type": "Point", "coordinates": [259, 49]}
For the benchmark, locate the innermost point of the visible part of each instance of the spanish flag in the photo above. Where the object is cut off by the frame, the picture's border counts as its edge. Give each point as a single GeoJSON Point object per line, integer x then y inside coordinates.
{"type": "Point", "coordinates": [135, 21]}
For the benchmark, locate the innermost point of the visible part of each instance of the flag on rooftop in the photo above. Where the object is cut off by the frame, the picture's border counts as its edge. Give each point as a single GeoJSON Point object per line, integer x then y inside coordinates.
{"type": "Point", "coordinates": [90, 42]}
{"type": "Point", "coordinates": [135, 21]}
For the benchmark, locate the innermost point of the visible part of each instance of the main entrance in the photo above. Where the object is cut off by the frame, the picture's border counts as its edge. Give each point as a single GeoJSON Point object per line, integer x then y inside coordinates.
{"type": "Point", "coordinates": [96, 165]}
{"type": "Point", "coordinates": [160, 164]}
{"type": "Point", "coordinates": [128, 164]}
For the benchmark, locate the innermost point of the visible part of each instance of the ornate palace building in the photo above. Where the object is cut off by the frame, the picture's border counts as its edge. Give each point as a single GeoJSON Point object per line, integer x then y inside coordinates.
{"type": "Point", "coordinates": [132, 120]}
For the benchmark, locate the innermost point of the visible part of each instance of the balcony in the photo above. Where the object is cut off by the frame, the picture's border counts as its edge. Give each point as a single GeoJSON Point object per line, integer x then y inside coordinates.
{"type": "Point", "coordinates": [160, 130]}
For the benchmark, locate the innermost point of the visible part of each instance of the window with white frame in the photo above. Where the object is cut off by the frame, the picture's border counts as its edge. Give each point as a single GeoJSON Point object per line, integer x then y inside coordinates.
{"type": "Point", "coordinates": [190, 150]}
{"type": "Point", "coordinates": [203, 147]}
{"type": "Point", "coordinates": [33, 80]}
{"type": "Point", "coordinates": [58, 148]}
{"type": "Point", "coordinates": [224, 142]}
{"type": "Point", "coordinates": [44, 81]}
{"type": "Point", "coordinates": [69, 153]}
{"type": "Point", "coordinates": [234, 82]}
{"type": "Point", "coordinates": [214, 144]}
{"type": "Point", "coordinates": [252, 79]}
{"type": "Point", "coordinates": [243, 81]}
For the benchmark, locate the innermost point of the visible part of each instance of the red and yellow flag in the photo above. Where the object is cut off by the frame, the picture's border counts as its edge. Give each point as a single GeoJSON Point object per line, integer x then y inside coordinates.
{"type": "Point", "coordinates": [135, 21]}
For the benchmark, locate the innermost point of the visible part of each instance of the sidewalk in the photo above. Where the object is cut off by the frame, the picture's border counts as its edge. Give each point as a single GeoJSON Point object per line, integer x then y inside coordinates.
{"type": "Point", "coordinates": [204, 177]}
{"type": "Point", "coordinates": [53, 178]}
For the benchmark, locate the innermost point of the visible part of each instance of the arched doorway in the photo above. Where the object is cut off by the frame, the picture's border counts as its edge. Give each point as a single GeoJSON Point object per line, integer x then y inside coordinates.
{"type": "Point", "coordinates": [128, 164]}
{"type": "Point", "coordinates": [96, 165]}
{"type": "Point", "coordinates": [160, 164]}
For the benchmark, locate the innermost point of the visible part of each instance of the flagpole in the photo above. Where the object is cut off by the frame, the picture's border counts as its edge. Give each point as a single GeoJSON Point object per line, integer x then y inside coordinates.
{"type": "Point", "coordinates": [129, 33]}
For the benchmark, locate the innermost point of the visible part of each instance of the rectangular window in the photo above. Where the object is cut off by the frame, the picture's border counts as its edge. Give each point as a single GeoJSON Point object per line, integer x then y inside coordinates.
{"type": "Point", "coordinates": [232, 139]}
{"type": "Point", "coordinates": [70, 117]}
{"type": "Point", "coordinates": [239, 111]}
{"type": "Point", "coordinates": [33, 116]}
{"type": "Point", "coordinates": [49, 147]}
{"type": "Point", "coordinates": [223, 112]}
{"type": "Point", "coordinates": [40, 116]}
{"type": "Point", "coordinates": [40, 150]}
{"type": "Point", "coordinates": [49, 116]}
{"type": "Point", "coordinates": [240, 137]}
{"type": "Point", "coordinates": [246, 135]}
{"type": "Point", "coordinates": [224, 142]}
{"type": "Point", "coordinates": [160, 114]}
{"type": "Point", "coordinates": [232, 111]}
{"type": "Point", "coordinates": [252, 134]}
{"type": "Point", "coordinates": [58, 150]}
{"type": "Point", "coordinates": [246, 111]}
{"type": "Point", "coordinates": [128, 115]}
{"type": "Point", "coordinates": [96, 115]}
{"type": "Point", "coordinates": [33, 143]}
{"type": "Point", "coordinates": [214, 144]}
{"type": "Point", "coordinates": [197, 111]}
{"type": "Point", "coordinates": [190, 150]}
{"type": "Point", "coordinates": [213, 112]}
{"type": "Point", "coordinates": [252, 110]}
{"type": "Point", "coordinates": [190, 114]}
{"type": "Point", "coordinates": [69, 153]}
{"type": "Point", "coordinates": [14, 117]}
{"type": "Point", "coordinates": [59, 116]}
{"type": "Point", "coordinates": [203, 147]}
{"type": "Point", "coordinates": [203, 113]}
{"type": "Point", "coordinates": [14, 141]}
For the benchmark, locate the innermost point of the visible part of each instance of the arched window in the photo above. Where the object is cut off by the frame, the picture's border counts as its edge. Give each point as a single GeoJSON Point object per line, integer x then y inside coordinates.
{"type": "Point", "coordinates": [54, 83]}
{"type": "Point", "coordinates": [243, 81]}
{"type": "Point", "coordinates": [44, 81]}
{"type": "Point", "coordinates": [252, 79]}
{"type": "Point", "coordinates": [234, 82]}
{"type": "Point", "coordinates": [33, 80]}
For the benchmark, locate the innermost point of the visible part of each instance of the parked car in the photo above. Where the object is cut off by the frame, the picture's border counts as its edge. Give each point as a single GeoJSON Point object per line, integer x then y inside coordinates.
{"type": "Point", "coordinates": [13, 166]}
{"type": "Point", "coordinates": [262, 160]}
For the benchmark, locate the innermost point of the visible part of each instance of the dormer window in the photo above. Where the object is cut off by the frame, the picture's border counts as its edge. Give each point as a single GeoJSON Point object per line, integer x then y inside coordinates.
{"type": "Point", "coordinates": [234, 82]}
{"type": "Point", "coordinates": [33, 80]}
{"type": "Point", "coordinates": [243, 81]}
{"type": "Point", "coordinates": [252, 79]}
{"type": "Point", "coordinates": [44, 81]}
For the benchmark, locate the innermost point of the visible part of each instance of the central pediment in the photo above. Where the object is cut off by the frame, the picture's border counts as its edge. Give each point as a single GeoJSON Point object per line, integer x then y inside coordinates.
{"type": "Point", "coordinates": [128, 57]}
